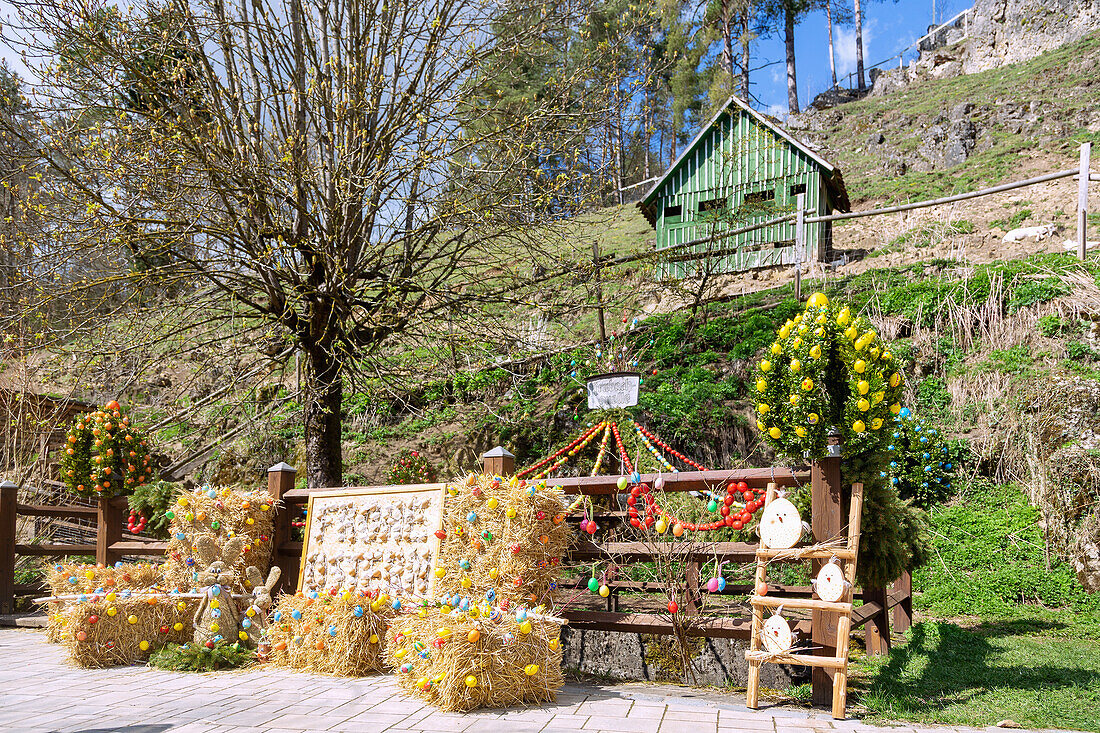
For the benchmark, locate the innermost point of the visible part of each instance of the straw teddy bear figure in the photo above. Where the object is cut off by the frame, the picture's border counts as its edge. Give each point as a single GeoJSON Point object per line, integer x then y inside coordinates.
{"type": "Point", "coordinates": [217, 617]}
{"type": "Point", "coordinates": [255, 622]}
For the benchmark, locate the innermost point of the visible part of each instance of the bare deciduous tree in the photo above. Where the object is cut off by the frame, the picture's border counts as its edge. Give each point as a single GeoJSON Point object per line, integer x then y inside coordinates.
{"type": "Point", "coordinates": [303, 168]}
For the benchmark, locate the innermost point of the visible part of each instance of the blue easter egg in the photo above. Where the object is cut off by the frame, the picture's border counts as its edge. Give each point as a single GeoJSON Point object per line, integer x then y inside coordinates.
{"type": "Point", "coordinates": [471, 517]}
{"type": "Point", "coordinates": [278, 616]}
{"type": "Point", "coordinates": [246, 623]}
{"type": "Point", "coordinates": [721, 584]}
{"type": "Point", "coordinates": [358, 611]}
{"type": "Point", "coordinates": [332, 631]}
{"type": "Point", "coordinates": [296, 615]}
{"type": "Point", "coordinates": [396, 604]}
{"type": "Point", "coordinates": [491, 596]}
{"type": "Point", "coordinates": [216, 590]}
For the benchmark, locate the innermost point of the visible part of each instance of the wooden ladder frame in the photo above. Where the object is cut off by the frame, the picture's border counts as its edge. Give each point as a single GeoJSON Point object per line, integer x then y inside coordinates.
{"type": "Point", "coordinates": [839, 664]}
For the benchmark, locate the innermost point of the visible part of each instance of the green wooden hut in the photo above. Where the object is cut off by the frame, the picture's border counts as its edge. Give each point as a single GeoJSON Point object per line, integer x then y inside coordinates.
{"type": "Point", "coordinates": [742, 168]}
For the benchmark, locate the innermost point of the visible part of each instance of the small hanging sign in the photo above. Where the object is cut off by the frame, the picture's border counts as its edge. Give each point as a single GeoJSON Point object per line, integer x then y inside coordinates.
{"type": "Point", "coordinates": [617, 389]}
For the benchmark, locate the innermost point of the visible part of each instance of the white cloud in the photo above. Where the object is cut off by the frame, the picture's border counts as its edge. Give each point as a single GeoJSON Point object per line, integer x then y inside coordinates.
{"type": "Point", "coordinates": [844, 40]}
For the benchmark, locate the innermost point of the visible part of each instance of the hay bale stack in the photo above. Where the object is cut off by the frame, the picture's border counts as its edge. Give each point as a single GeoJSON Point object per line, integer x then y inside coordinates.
{"type": "Point", "coordinates": [504, 541]}
{"type": "Point", "coordinates": [76, 578]}
{"type": "Point", "coordinates": [341, 634]}
{"type": "Point", "coordinates": [461, 661]}
{"type": "Point", "coordinates": [223, 513]}
{"type": "Point", "coordinates": [113, 630]}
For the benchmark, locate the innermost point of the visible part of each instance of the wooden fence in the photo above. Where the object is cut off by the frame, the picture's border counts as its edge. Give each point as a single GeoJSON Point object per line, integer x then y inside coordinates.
{"type": "Point", "coordinates": [112, 545]}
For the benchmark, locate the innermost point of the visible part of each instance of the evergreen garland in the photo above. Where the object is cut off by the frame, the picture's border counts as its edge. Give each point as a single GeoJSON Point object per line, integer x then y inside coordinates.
{"type": "Point", "coordinates": [192, 657]}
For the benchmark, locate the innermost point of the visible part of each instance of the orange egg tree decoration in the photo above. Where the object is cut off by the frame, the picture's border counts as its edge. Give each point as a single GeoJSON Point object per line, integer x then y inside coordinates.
{"type": "Point", "coordinates": [105, 455]}
{"type": "Point", "coordinates": [827, 369]}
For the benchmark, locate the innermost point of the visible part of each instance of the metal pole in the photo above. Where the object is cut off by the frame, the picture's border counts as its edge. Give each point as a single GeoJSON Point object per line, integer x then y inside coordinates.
{"type": "Point", "coordinates": [1083, 201]}
{"type": "Point", "coordinates": [799, 242]}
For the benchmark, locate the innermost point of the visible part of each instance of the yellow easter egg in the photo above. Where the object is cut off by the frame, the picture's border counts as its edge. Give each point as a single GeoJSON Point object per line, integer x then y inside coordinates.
{"type": "Point", "coordinates": [863, 405]}
{"type": "Point", "coordinates": [763, 408]}
{"type": "Point", "coordinates": [466, 582]}
{"type": "Point", "coordinates": [793, 399]}
{"type": "Point", "coordinates": [844, 317]}
{"type": "Point", "coordinates": [471, 681]}
{"type": "Point", "coordinates": [143, 645]}
{"type": "Point", "coordinates": [661, 525]}
{"type": "Point", "coordinates": [895, 379]}
{"type": "Point", "coordinates": [812, 418]}
{"type": "Point", "coordinates": [440, 572]}
{"type": "Point", "coordinates": [895, 408]}
{"type": "Point", "coordinates": [860, 366]}
{"type": "Point", "coordinates": [858, 426]}
{"type": "Point", "coordinates": [863, 386]}
{"type": "Point", "coordinates": [492, 502]}
{"type": "Point", "coordinates": [777, 349]}
{"type": "Point", "coordinates": [760, 426]}
{"type": "Point", "coordinates": [800, 431]}
{"type": "Point", "coordinates": [112, 611]}
{"type": "Point", "coordinates": [765, 365]}
{"type": "Point", "coordinates": [443, 632]}
{"type": "Point", "coordinates": [817, 300]}
{"type": "Point", "coordinates": [400, 653]}
{"type": "Point", "coordinates": [796, 365]}
{"type": "Point", "coordinates": [554, 644]}
{"type": "Point", "coordinates": [525, 627]}
{"type": "Point", "coordinates": [214, 627]}
{"type": "Point", "coordinates": [807, 384]}
{"type": "Point", "coordinates": [761, 385]}
{"type": "Point", "coordinates": [876, 423]}
{"type": "Point", "coordinates": [531, 670]}
{"type": "Point", "coordinates": [493, 573]}
{"type": "Point", "coordinates": [132, 619]}
{"type": "Point", "coordinates": [815, 351]}
{"type": "Point", "coordinates": [373, 639]}
{"type": "Point", "coordinates": [605, 591]}
{"type": "Point", "coordinates": [511, 513]}
{"type": "Point", "coordinates": [775, 433]}
{"type": "Point", "coordinates": [851, 333]}
{"type": "Point", "coordinates": [177, 626]}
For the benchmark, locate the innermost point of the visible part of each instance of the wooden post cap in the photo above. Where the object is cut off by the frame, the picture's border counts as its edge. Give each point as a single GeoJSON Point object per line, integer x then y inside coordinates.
{"type": "Point", "coordinates": [499, 462]}
{"type": "Point", "coordinates": [8, 485]}
{"type": "Point", "coordinates": [282, 468]}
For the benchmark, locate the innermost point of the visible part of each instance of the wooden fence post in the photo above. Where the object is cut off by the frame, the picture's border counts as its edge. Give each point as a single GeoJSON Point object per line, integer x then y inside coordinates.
{"type": "Point", "coordinates": [8, 496]}
{"type": "Point", "coordinates": [109, 521]}
{"type": "Point", "coordinates": [599, 294]}
{"type": "Point", "coordinates": [799, 243]}
{"type": "Point", "coordinates": [826, 521]}
{"type": "Point", "coordinates": [1083, 201]}
{"type": "Point", "coordinates": [280, 479]}
{"type": "Point", "coordinates": [877, 630]}
{"type": "Point", "coordinates": [499, 462]}
{"type": "Point", "coordinates": [903, 612]}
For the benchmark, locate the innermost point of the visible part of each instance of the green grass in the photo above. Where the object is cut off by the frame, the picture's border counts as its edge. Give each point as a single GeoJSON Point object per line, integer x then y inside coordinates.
{"type": "Point", "coordinates": [980, 676]}
{"type": "Point", "coordinates": [1003, 635]}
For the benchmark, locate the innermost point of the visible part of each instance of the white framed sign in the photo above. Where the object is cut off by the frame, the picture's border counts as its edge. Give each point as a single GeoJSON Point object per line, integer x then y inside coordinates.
{"type": "Point", "coordinates": [618, 389]}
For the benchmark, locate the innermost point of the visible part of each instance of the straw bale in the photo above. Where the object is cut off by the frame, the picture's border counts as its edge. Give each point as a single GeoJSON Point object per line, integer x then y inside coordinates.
{"type": "Point", "coordinates": [434, 654]}
{"type": "Point", "coordinates": [518, 557]}
{"type": "Point", "coordinates": [113, 639]}
{"type": "Point", "coordinates": [69, 578]}
{"type": "Point", "coordinates": [223, 513]}
{"type": "Point", "coordinates": [342, 634]}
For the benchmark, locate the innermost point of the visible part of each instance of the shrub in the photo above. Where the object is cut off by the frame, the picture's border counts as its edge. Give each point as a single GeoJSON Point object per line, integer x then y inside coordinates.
{"type": "Point", "coordinates": [411, 468]}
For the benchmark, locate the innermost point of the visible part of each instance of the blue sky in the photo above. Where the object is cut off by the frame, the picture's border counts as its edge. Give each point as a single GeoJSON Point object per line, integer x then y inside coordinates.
{"type": "Point", "coordinates": [888, 27]}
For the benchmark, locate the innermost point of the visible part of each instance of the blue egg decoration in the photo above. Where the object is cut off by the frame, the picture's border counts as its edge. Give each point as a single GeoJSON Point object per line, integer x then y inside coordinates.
{"type": "Point", "coordinates": [521, 615]}
{"type": "Point", "coordinates": [277, 616]}
{"type": "Point", "coordinates": [332, 631]}
{"type": "Point", "coordinates": [358, 611]}
{"type": "Point", "coordinates": [246, 622]}
{"type": "Point", "coordinates": [215, 590]}
{"type": "Point", "coordinates": [721, 584]}
{"type": "Point", "coordinates": [471, 517]}
{"type": "Point", "coordinates": [491, 595]}
{"type": "Point", "coordinates": [296, 615]}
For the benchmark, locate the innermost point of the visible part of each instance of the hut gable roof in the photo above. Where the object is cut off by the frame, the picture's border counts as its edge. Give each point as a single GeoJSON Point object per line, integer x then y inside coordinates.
{"type": "Point", "coordinates": [833, 177]}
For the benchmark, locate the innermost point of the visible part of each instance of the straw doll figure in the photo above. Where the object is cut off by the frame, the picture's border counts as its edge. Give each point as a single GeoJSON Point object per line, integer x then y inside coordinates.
{"type": "Point", "coordinates": [217, 617]}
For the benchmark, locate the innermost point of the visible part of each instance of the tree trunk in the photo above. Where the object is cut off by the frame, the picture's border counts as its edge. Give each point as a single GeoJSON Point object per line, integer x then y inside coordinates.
{"type": "Point", "coordinates": [859, 46]}
{"type": "Point", "coordinates": [324, 394]}
{"type": "Point", "coordinates": [745, 52]}
{"type": "Point", "coordinates": [788, 38]}
{"type": "Point", "coordinates": [829, 20]}
{"type": "Point", "coordinates": [727, 38]}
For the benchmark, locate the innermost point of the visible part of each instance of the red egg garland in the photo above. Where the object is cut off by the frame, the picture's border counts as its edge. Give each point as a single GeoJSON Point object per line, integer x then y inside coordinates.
{"type": "Point", "coordinates": [563, 454]}
{"type": "Point", "coordinates": [734, 521]}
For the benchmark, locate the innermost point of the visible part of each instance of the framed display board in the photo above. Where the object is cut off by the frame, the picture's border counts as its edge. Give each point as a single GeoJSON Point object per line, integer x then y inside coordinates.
{"type": "Point", "coordinates": [379, 537]}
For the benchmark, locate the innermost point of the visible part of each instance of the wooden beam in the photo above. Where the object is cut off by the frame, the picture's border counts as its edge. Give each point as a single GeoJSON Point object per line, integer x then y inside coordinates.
{"type": "Point", "coordinates": [901, 600]}
{"type": "Point", "coordinates": [139, 547]}
{"type": "Point", "coordinates": [701, 552]}
{"type": "Point", "coordinates": [805, 660]}
{"type": "Point", "coordinates": [647, 623]}
{"type": "Point", "coordinates": [54, 550]}
{"type": "Point", "coordinates": [70, 512]}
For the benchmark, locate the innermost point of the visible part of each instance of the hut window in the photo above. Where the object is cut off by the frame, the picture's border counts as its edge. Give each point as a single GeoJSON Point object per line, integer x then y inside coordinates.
{"type": "Point", "coordinates": [712, 204]}
{"type": "Point", "coordinates": [797, 188]}
{"type": "Point", "coordinates": [759, 197]}
{"type": "Point", "coordinates": [674, 212]}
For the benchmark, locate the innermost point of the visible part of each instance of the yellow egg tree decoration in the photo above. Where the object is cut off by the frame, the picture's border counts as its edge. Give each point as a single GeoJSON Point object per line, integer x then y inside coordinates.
{"type": "Point", "coordinates": [826, 368]}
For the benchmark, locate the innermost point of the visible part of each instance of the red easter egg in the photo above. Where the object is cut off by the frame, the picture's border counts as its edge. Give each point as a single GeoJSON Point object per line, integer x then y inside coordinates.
{"type": "Point", "coordinates": [672, 607]}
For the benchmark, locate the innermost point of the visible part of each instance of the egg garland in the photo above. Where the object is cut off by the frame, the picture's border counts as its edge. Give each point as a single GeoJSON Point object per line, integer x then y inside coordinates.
{"type": "Point", "coordinates": [105, 455]}
{"type": "Point", "coordinates": [733, 513]}
{"type": "Point", "coordinates": [822, 354]}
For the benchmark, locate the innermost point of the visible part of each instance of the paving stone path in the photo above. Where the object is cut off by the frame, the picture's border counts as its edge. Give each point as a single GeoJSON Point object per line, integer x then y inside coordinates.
{"type": "Point", "coordinates": [41, 692]}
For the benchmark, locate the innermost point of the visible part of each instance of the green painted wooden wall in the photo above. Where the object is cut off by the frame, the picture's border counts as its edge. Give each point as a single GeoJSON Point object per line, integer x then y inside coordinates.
{"type": "Point", "coordinates": [739, 157]}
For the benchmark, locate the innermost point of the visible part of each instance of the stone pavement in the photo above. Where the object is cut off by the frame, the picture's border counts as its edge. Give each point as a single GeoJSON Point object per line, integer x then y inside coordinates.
{"type": "Point", "coordinates": [41, 692]}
